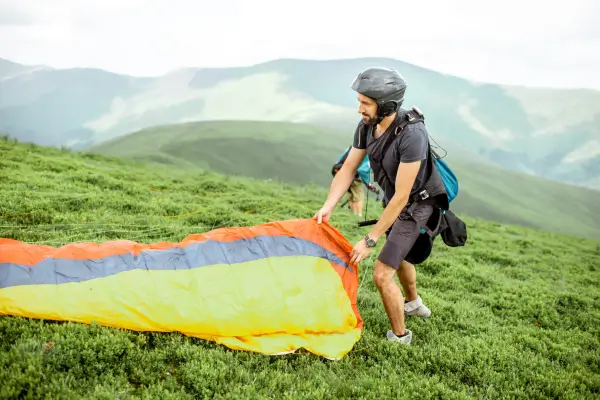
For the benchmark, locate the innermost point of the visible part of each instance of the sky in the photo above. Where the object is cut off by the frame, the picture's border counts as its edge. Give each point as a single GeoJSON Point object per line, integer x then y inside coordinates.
{"type": "Point", "coordinates": [520, 42]}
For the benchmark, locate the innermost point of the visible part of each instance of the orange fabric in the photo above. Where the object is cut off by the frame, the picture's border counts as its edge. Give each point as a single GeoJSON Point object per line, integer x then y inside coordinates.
{"type": "Point", "coordinates": [18, 252]}
{"type": "Point", "coordinates": [325, 235]}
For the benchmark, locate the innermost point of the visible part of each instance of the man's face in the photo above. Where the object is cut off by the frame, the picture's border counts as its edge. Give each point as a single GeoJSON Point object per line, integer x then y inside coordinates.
{"type": "Point", "coordinates": [367, 107]}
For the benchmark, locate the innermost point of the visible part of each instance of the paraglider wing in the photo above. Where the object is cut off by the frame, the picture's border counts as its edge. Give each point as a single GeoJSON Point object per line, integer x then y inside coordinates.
{"type": "Point", "coordinates": [271, 288]}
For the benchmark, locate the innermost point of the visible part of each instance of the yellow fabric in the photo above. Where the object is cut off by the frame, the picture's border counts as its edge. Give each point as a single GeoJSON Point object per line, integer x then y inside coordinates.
{"type": "Point", "coordinates": [256, 305]}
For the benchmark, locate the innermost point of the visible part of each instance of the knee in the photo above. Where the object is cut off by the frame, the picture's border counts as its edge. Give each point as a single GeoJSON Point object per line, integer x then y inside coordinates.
{"type": "Point", "coordinates": [383, 275]}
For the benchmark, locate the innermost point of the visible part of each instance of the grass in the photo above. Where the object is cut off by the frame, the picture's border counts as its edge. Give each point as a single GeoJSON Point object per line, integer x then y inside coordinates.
{"type": "Point", "coordinates": [515, 312]}
{"type": "Point", "coordinates": [304, 154]}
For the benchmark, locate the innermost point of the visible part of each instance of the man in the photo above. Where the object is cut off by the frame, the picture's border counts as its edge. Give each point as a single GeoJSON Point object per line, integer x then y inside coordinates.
{"type": "Point", "coordinates": [356, 193]}
{"type": "Point", "coordinates": [400, 173]}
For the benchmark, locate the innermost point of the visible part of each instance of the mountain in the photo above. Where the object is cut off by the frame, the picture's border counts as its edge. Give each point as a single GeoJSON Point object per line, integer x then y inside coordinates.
{"type": "Point", "coordinates": [303, 154]}
{"type": "Point", "coordinates": [9, 69]}
{"type": "Point", "coordinates": [551, 133]}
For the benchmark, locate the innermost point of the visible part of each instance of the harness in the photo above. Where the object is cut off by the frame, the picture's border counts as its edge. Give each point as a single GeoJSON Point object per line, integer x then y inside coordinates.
{"type": "Point", "coordinates": [432, 191]}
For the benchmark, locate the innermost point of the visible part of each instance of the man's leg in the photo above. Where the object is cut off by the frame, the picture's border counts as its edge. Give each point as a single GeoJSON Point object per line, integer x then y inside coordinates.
{"type": "Point", "coordinates": [400, 239]}
{"type": "Point", "coordinates": [357, 207]}
{"type": "Point", "coordinates": [405, 233]}
{"type": "Point", "coordinates": [356, 196]}
{"type": "Point", "coordinates": [393, 302]}
{"type": "Point", "coordinates": [408, 279]}
{"type": "Point", "coordinates": [414, 305]}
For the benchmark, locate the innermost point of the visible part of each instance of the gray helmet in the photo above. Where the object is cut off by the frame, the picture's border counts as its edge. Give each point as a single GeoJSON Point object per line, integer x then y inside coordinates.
{"type": "Point", "coordinates": [385, 86]}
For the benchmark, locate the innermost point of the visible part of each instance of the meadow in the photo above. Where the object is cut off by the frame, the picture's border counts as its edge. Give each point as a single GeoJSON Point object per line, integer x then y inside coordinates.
{"type": "Point", "coordinates": [515, 312]}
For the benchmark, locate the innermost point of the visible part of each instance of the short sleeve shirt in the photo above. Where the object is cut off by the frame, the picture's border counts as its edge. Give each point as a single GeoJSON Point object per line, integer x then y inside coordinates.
{"type": "Point", "coordinates": [410, 146]}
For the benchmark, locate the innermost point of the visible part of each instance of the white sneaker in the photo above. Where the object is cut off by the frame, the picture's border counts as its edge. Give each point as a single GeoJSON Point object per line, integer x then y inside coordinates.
{"type": "Point", "coordinates": [406, 339]}
{"type": "Point", "coordinates": [416, 308]}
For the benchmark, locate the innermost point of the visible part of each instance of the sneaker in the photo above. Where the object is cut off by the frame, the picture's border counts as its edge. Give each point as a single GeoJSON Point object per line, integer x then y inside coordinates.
{"type": "Point", "coordinates": [416, 308]}
{"type": "Point", "coordinates": [406, 339]}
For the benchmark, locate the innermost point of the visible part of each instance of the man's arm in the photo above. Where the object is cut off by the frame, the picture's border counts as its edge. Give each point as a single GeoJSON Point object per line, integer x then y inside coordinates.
{"type": "Point", "coordinates": [405, 178]}
{"type": "Point", "coordinates": [343, 179]}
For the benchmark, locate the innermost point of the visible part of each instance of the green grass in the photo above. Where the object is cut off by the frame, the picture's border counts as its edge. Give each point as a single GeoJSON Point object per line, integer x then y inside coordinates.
{"type": "Point", "coordinates": [515, 312]}
{"type": "Point", "coordinates": [302, 154]}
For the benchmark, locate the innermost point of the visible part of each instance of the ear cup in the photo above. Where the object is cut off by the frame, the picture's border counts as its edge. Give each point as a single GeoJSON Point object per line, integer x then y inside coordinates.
{"type": "Point", "coordinates": [387, 108]}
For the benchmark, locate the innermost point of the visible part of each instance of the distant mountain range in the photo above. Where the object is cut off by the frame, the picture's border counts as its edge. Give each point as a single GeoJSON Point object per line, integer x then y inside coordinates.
{"type": "Point", "coordinates": [551, 133]}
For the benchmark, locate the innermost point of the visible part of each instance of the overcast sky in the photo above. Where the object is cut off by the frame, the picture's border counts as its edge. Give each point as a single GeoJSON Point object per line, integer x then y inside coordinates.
{"type": "Point", "coordinates": [526, 42]}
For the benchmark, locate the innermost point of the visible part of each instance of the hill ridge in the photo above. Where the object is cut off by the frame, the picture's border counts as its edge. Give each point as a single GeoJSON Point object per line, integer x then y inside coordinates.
{"type": "Point", "coordinates": [486, 191]}
{"type": "Point", "coordinates": [516, 127]}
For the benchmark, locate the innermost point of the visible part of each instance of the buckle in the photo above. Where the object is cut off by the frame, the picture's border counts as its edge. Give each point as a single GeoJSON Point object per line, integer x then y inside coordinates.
{"type": "Point", "coordinates": [424, 194]}
{"type": "Point", "coordinates": [416, 109]}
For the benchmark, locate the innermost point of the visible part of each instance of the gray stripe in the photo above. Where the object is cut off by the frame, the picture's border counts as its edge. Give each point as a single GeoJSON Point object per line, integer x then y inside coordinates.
{"type": "Point", "coordinates": [62, 270]}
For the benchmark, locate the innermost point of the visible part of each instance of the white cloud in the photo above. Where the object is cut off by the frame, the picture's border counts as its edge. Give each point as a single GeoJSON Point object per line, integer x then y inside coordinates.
{"type": "Point", "coordinates": [521, 42]}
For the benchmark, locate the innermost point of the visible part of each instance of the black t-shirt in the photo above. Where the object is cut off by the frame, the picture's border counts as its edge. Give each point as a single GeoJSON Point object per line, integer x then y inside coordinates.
{"type": "Point", "coordinates": [410, 145]}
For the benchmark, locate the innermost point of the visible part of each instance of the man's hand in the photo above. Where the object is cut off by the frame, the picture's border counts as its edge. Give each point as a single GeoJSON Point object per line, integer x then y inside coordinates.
{"type": "Point", "coordinates": [360, 252]}
{"type": "Point", "coordinates": [323, 214]}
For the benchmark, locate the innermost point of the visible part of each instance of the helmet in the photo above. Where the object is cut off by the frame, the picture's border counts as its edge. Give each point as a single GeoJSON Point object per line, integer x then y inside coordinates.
{"type": "Point", "coordinates": [385, 86]}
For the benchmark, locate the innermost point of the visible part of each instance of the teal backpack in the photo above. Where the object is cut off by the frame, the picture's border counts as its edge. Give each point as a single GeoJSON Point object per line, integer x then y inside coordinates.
{"type": "Point", "coordinates": [364, 170]}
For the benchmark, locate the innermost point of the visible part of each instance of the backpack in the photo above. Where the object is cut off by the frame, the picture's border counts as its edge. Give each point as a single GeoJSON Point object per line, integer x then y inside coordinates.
{"type": "Point", "coordinates": [338, 165]}
{"type": "Point", "coordinates": [363, 172]}
{"type": "Point", "coordinates": [448, 177]}
{"type": "Point", "coordinates": [439, 190]}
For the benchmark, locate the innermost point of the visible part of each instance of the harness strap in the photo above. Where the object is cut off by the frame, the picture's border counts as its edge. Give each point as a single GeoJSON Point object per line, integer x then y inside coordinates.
{"type": "Point", "coordinates": [410, 208]}
{"type": "Point", "coordinates": [422, 197]}
{"type": "Point", "coordinates": [411, 117]}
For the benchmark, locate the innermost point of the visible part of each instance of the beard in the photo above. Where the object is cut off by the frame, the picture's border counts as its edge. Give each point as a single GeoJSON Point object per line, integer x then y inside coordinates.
{"type": "Point", "coordinates": [368, 120]}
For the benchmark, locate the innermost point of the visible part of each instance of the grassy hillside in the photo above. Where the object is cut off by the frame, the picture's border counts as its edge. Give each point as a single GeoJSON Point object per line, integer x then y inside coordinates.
{"type": "Point", "coordinates": [548, 132]}
{"type": "Point", "coordinates": [515, 312]}
{"type": "Point", "coordinates": [304, 154]}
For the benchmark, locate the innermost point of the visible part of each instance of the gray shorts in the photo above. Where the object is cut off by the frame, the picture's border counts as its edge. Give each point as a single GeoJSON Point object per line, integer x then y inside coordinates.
{"type": "Point", "coordinates": [403, 234]}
